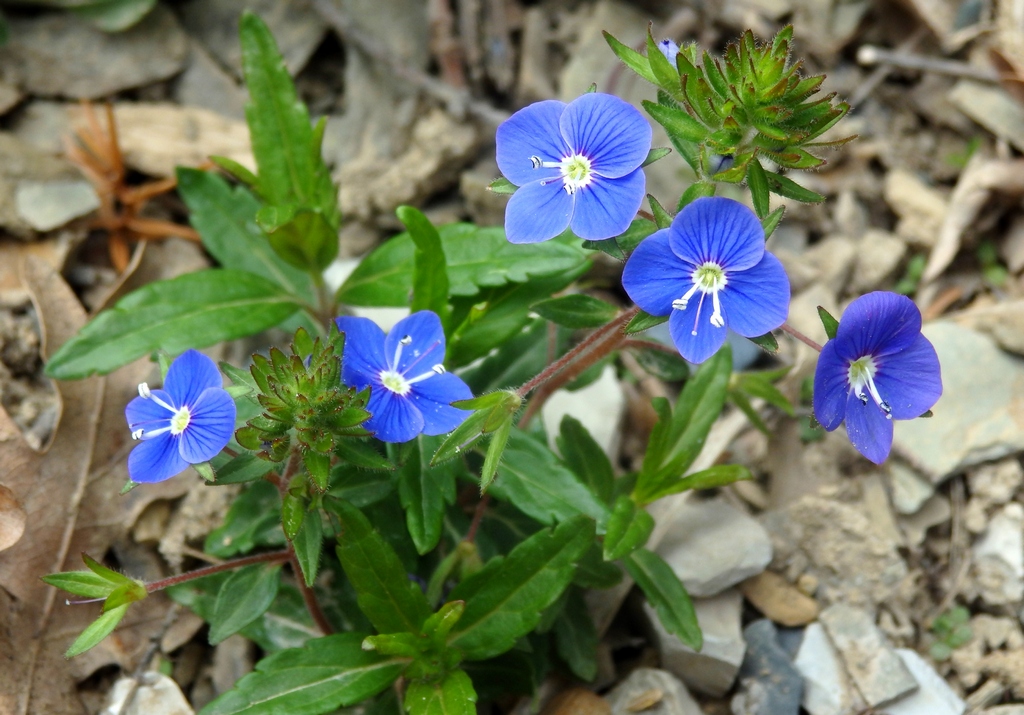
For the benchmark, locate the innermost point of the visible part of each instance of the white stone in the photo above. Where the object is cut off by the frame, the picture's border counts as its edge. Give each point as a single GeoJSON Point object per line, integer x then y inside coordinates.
{"type": "Point", "coordinates": [909, 491]}
{"type": "Point", "coordinates": [156, 694]}
{"type": "Point", "coordinates": [637, 688]}
{"type": "Point", "coordinates": [999, 557]}
{"type": "Point", "coordinates": [1004, 710]}
{"type": "Point", "coordinates": [996, 483]}
{"type": "Point", "coordinates": [713, 670]}
{"type": "Point", "coordinates": [937, 510]}
{"type": "Point", "coordinates": [921, 208]}
{"type": "Point", "coordinates": [878, 255]}
{"type": "Point", "coordinates": [46, 205]}
{"type": "Point", "coordinates": [712, 546]}
{"type": "Point", "coordinates": [599, 406]}
{"type": "Point", "coordinates": [933, 697]}
{"type": "Point", "coordinates": [827, 688]}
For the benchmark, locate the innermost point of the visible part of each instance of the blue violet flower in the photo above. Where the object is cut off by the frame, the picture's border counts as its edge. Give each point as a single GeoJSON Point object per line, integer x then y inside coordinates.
{"type": "Point", "coordinates": [187, 422]}
{"type": "Point", "coordinates": [710, 273]}
{"type": "Point", "coordinates": [410, 391]}
{"type": "Point", "coordinates": [668, 48]}
{"type": "Point", "coordinates": [577, 166]}
{"type": "Point", "coordinates": [878, 368]}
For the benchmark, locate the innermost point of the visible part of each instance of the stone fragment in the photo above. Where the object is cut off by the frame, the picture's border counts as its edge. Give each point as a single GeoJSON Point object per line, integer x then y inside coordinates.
{"type": "Point", "coordinates": [935, 511]}
{"type": "Point", "coordinates": [485, 207]}
{"type": "Point", "coordinates": [599, 406]}
{"type": "Point", "coordinates": [920, 207]}
{"type": "Point", "coordinates": [833, 259]}
{"type": "Point", "coordinates": [297, 28]}
{"type": "Point", "coordinates": [1004, 710]}
{"type": "Point", "coordinates": [155, 694]}
{"type": "Point", "coordinates": [577, 701]}
{"type": "Point", "coordinates": [205, 84]}
{"type": "Point", "coordinates": [1003, 322]}
{"type": "Point", "coordinates": [999, 558]}
{"type": "Point", "coordinates": [875, 498]}
{"type": "Point", "coordinates": [991, 107]}
{"type": "Point", "coordinates": [232, 659]}
{"type": "Point", "coordinates": [996, 483]}
{"type": "Point", "coordinates": [64, 55]}
{"type": "Point", "coordinates": [46, 205]}
{"type": "Point", "coordinates": [534, 81]}
{"type": "Point", "coordinates": [713, 670]}
{"type": "Point", "coordinates": [712, 546]}
{"type": "Point", "coordinates": [661, 692]}
{"type": "Point", "coordinates": [22, 165]}
{"type": "Point", "coordinates": [933, 697]}
{"type": "Point", "coordinates": [876, 670]}
{"type": "Point", "coordinates": [769, 684]}
{"type": "Point", "coordinates": [9, 97]}
{"type": "Point", "coordinates": [1012, 247]}
{"type": "Point", "coordinates": [909, 491]}
{"type": "Point", "coordinates": [827, 687]}
{"type": "Point", "coordinates": [978, 418]}
{"type": "Point", "coordinates": [879, 254]}
{"type": "Point", "coordinates": [779, 600]}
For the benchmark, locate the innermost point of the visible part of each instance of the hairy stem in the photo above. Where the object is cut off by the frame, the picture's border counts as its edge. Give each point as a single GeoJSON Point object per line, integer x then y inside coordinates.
{"type": "Point", "coordinates": [270, 557]}
{"type": "Point", "coordinates": [787, 328]}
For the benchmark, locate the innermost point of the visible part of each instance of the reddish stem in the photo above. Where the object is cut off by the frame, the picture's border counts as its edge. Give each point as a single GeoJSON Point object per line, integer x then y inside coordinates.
{"type": "Point", "coordinates": [312, 605]}
{"type": "Point", "coordinates": [787, 328]}
{"type": "Point", "coordinates": [478, 516]}
{"type": "Point", "coordinates": [269, 557]}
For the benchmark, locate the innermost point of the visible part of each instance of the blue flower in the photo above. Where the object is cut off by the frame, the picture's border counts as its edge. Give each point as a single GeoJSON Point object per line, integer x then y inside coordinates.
{"type": "Point", "coordinates": [878, 367]}
{"type": "Point", "coordinates": [576, 165]}
{"type": "Point", "coordinates": [410, 391]}
{"type": "Point", "coordinates": [712, 253]}
{"type": "Point", "coordinates": [189, 421]}
{"type": "Point", "coordinates": [669, 48]}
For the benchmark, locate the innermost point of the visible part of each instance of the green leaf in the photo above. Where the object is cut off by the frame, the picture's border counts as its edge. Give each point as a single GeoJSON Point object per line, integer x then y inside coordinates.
{"type": "Point", "coordinates": [110, 15]}
{"type": "Point", "coordinates": [534, 481]}
{"type": "Point", "coordinates": [679, 435]}
{"type": "Point", "coordinates": [81, 583]}
{"type": "Point", "coordinates": [718, 476]}
{"type": "Point", "coordinates": [629, 527]}
{"type": "Point", "coordinates": [592, 571]}
{"type": "Point", "coordinates": [771, 221]}
{"type": "Point", "coordinates": [236, 170]}
{"type": "Point", "coordinates": [191, 311]}
{"type": "Point", "coordinates": [303, 237]}
{"type": "Point", "coordinates": [694, 191]}
{"type": "Point", "coordinates": [476, 258]}
{"type": "Point", "coordinates": [766, 342]}
{"type": "Point", "coordinates": [666, 593]}
{"type": "Point", "coordinates": [677, 123]}
{"type": "Point", "coordinates": [452, 695]}
{"type": "Point", "coordinates": [505, 598]}
{"type": "Point", "coordinates": [643, 321]}
{"type": "Point", "coordinates": [660, 363]}
{"type": "Point", "coordinates": [621, 246]}
{"type": "Point", "coordinates": [362, 454]}
{"type": "Point", "coordinates": [425, 492]}
{"type": "Point", "coordinates": [828, 322]}
{"type": "Point", "coordinates": [254, 519]}
{"type": "Point", "coordinates": [786, 187]}
{"type": "Point", "coordinates": [243, 598]}
{"type": "Point", "coordinates": [576, 638]}
{"type": "Point", "coordinates": [392, 602]}
{"type": "Point", "coordinates": [226, 221]}
{"type": "Point", "coordinates": [502, 187]}
{"type": "Point", "coordinates": [662, 218]}
{"type": "Point", "coordinates": [97, 631]}
{"type": "Point", "coordinates": [632, 59]}
{"type": "Point", "coordinates": [576, 311]}
{"type": "Point", "coordinates": [757, 182]}
{"type": "Point", "coordinates": [246, 467]}
{"type": "Point", "coordinates": [326, 673]}
{"type": "Point", "coordinates": [308, 544]}
{"type": "Point", "coordinates": [584, 456]}
{"type": "Point", "coordinates": [430, 273]}
{"type": "Point", "coordinates": [656, 153]}
{"type": "Point", "coordinates": [759, 384]}
{"type": "Point", "coordinates": [495, 450]}
{"type": "Point", "coordinates": [663, 70]}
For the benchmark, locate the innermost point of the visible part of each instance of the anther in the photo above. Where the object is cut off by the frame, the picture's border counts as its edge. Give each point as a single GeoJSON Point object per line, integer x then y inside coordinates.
{"type": "Point", "coordinates": [407, 340]}
{"type": "Point", "coordinates": [144, 391]}
{"type": "Point", "coordinates": [863, 398]}
{"type": "Point", "coordinates": [535, 161]}
{"type": "Point", "coordinates": [439, 369]}
{"type": "Point", "coordinates": [137, 434]}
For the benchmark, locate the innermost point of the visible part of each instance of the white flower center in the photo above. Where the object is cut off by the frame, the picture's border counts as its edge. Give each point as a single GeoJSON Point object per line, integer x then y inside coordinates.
{"type": "Point", "coordinates": [576, 170]}
{"type": "Point", "coordinates": [395, 382]}
{"type": "Point", "coordinates": [180, 420]}
{"type": "Point", "coordinates": [708, 278]}
{"type": "Point", "coordinates": [861, 375]}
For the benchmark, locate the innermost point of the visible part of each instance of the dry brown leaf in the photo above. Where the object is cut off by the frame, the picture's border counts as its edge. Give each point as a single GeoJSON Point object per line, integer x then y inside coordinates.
{"type": "Point", "coordinates": [12, 519]}
{"type": "Point", "coordinates": [70, 498]}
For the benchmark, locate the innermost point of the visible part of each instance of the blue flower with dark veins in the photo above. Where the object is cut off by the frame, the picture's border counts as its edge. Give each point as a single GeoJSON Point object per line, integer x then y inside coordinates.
{"type": "Point", "coordinates": [188, 422]}
{"type": "Point", "coordinates": [577, 166]}
{"type": "Point", "coordinates": [410, 391]}
{"type": "Point", "coordinates": [710, 273]}
{"type": "Point", "coordinates": [879, 367]}
{"type": "Point", "coordinates": [668, 48]}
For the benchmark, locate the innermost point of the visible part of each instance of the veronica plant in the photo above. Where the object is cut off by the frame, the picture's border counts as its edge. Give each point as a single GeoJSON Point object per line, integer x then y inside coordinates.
{"type": "Point", "coordinates": [402, 515]}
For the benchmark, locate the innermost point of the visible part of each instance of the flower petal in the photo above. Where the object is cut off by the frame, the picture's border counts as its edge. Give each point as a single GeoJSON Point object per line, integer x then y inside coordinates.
{"type": "Point", "coordinates": [831, 387]}
{"type": "Point", "coordinates": [210, 426]}
{"type": "Point", "coordinates": [911, 380]}
{"type": "Point", "coordinates": [532, 131]}
{"type": "Point", "coordinates": [363, 355]}
{"type": "Point", "coordinates": [155, 460]}
{"type": "Point", "coordinates": [868, 429]}
{"type": "Point", "coordinates": [756, 300]}
{"type": "Point", "coordinates": [432, 398]}
{"type": "Point", "coordinates": [609, 131]}
{"type": "Point", "coordinates": [394, 418]}
{"type": "Point", "coordinates": [190, 374]}
{"type": "Point", "coordinates": [654, 276]}
{"type": "Point", "coordinates": [718, 230]}
{"type": "Point", "coordinates": [696, 348]}
{"type": "Point", "coordinates": [606, 207]}
{"type": "Point", "coordinates": [426, 343]}
{"type": "Point", "coordinates": [878, 323]}
{"type": "Point", "coordinates": [537, 212]}
{"type": "Point", "coordinates": [147, 414]}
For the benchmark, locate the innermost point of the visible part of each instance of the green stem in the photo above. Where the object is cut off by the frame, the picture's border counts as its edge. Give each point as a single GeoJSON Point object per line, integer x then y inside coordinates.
{"type": "Point", "coordinates": [269, 557]}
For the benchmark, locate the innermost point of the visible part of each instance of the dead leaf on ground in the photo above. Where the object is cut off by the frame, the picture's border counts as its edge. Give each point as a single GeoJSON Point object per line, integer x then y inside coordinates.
{"type": "Point", "coordinates": [12, 519]}
{"type": "Point", "coordinates": [70, 497]}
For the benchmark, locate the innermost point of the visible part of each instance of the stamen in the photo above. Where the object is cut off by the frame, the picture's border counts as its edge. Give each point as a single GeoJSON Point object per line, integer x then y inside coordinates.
{"type": "Point", "coordinates": [149, 434]}
{"type": "Point", "coordinates": [697, 317]}
{"type": "Point", "coordinates": [535, 162]}
{"type": "Point", "coordinates": [147, 394]}
{"type": "Point", "coordinates": [439, 369]}
{"type": "Point", "coordinates": [436, 370]}
{"type": "Point", "coordinates": [406, 340]}
{"type": "Point", "coordinates": [144, 392]}
{"type": "Point", "coordinates": [137, 434]}
{"type": "Point", "coordinates": [680, 303]}
{"type": "Point", "coordinates": [861, 375]}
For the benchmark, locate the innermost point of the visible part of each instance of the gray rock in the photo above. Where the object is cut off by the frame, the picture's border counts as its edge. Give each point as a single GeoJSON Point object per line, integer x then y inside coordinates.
{"type": "Point", "coordinates": [935, 511]}
{"type": "Point", "coordinates": [156, 694]}
{"type": "Point", "coordinates": [297, 28]}
{"type": "Point", "coordinates": [879, 254]}
{"type": "Point", "coordinates": [999, 558]}
{"type": "Point", "coordinates": [9, 97]}
{"type": "Point", "coordinates": [713, 670]}
{"type": "Point", "coordinates": [876, 670]}
{"type": "Point", "coordinates": [996, 483]}
{"type": "Point", "coordinates": [20, 164]}
{"type": "Point", "coordinates": [62, 54]}
{"type": "Point", "coordinates": [909, 491]}
{"type": "Point", "coordinates": [977, 417]}
{"type": "Point", "coordinates": [934, 697]}
{"type": "Point", "coordinates": [599, 407]}
{"type": "Point", "coordinates": [770, 685]}
{"type": "Point", "coordinates": [205, 84]}
{"type": "Point", "coordinates": [1003, 322]}
{"type": "Point", "coordinates": [827, 687]}
{"type": "Point", "coordinates": [991, 107]}
{"type": "Point", "coordinates": [1004, 710]}
{"type": "Point", "coordinates": [663, 690]}
{"type": "Point", "coordinates": [921, 208]}
{"type": "Point", "coordinates": [712, 546]}
{"type": "Point", "coordinates": [833, 258]}
{"type": "Point", "coordinates": [46, 205]}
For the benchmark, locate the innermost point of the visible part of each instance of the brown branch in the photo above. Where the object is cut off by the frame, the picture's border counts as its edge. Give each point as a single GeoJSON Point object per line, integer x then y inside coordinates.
{"type": "Point", "coordinates": [269, 557]}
